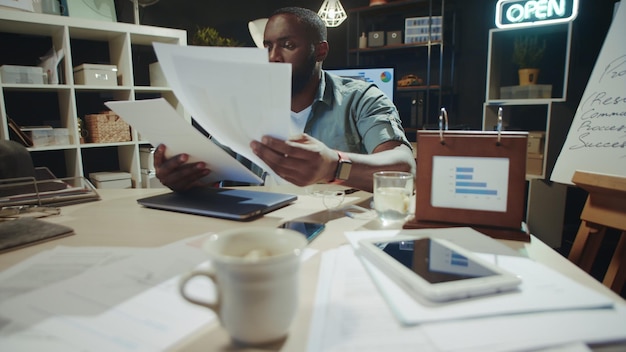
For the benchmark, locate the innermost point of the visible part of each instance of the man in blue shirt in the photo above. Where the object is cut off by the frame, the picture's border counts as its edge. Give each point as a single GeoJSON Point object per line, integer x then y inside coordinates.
{"type": "Point", "coordinates": [350, 129]}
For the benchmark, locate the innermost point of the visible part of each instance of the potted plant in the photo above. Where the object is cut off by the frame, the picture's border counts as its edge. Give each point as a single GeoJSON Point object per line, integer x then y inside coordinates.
{"type": "Point", "coordinates": [528, 50]}
{"type": "Point", "coordinates": [209, 36]}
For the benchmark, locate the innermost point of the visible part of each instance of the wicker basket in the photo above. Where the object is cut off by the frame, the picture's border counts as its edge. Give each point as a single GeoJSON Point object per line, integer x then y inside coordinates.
{"type": "Point", "coordinates": [107, 127]}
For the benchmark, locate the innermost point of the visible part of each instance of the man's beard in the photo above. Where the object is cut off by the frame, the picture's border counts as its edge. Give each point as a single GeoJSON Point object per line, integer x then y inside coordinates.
{"type": "Point", "coordinates": [303, 75]}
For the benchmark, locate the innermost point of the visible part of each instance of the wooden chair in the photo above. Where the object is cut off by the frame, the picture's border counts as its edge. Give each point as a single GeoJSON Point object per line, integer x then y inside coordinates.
{"type": "Point", "coordinates": [605, 208]}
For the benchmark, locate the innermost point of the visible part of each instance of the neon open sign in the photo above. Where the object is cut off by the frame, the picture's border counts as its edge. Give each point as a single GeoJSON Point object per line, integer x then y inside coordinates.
{"type": "Point", "coordinates": [520, 13]}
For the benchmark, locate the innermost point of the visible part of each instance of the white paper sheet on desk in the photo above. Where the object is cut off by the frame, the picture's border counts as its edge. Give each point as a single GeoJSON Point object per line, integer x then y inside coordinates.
{"type": "Point", "coordinates": [130, 305]}
{"type": "Point", "coordinates": [55, 265]}
{"type": "Point", "coordinates": [351, 315]}
{"type": "Point", "coordinates": [542, 288]}
{"type": "Point", "coordinates": [157, 121]}
{"type": "Point", "coordinates": [235, 94]}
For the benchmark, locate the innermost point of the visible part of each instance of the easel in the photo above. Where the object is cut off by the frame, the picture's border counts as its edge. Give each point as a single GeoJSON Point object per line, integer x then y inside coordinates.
{"type": "Point", "coordinates": [605, 208]}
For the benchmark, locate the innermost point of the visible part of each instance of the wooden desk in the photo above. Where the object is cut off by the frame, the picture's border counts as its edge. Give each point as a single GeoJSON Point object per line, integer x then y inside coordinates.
{"type": "Point", "coordinates": [117, 220]}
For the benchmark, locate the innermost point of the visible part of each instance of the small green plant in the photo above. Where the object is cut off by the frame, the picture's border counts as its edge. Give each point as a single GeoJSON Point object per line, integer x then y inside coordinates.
{"type": "Point", "coordinates": [528, 51]}
{"type": "Point", "coordinates": [209, 36]}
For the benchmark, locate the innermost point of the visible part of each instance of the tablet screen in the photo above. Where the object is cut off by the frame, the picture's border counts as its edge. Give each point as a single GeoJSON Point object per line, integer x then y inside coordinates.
{"type": "Point", "coordinates": [433, 261]}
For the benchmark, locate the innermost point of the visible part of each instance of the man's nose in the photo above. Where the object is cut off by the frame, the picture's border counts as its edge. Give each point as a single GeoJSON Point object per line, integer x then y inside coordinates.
{"type": "Point", "coordinates": [274, 55]}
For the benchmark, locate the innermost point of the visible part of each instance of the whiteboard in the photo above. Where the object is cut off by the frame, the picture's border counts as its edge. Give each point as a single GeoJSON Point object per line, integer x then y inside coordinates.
{"type": "Point", "coordinates": [596, 141]}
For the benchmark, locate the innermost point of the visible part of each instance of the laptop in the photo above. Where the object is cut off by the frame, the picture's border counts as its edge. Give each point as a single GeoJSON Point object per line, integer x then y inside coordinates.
{"type": "Point", "coordinates": [233, 204]}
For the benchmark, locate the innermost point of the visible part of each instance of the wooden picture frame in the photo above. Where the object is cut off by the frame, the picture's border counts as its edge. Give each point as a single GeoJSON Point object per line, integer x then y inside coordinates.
{"type": "Point", "coordinates": [471, 178]}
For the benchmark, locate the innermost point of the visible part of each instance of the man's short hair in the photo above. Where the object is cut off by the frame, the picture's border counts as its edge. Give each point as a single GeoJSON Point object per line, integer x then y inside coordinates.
{"type": "Point", "coordinates": [314, 26]}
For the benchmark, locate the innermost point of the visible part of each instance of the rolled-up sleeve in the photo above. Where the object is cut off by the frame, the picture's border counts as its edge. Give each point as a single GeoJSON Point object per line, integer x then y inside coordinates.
{"type": "Point", "coordinates": [354, 116]}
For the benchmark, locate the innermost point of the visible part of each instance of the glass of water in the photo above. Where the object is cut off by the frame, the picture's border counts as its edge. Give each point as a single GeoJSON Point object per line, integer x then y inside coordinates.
{"type": "Point", "coordinates": [393, 192]}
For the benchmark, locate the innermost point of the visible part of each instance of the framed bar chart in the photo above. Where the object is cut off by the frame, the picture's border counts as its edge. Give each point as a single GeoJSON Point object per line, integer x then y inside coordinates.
{"type": "Point", "coordinates": [475, 183]}
{"type": "Point", "coordinates": [471, 178]}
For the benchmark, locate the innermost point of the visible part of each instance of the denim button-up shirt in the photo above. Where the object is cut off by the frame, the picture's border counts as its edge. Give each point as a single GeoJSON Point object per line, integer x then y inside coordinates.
{"type": "Point", "coordinates": [353, 116]}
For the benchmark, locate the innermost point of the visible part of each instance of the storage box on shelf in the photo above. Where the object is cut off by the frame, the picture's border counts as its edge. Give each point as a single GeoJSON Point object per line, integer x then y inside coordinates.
{"type": "Point", "coordinates": [536, 142]}
{"type": "Point", "coordinates": [531, 91]}
{"type": "Point", "coordinates": [107, 127]}
{"type": "Point", "coordinates": [45, 137]}
{"type": "Point", "coordinates": [394, 37]}
{"type": "Point", "coordinates": [149, 179]}
{"type": "Point", "coordinates": [146, 157]}
{"type": "Point", "coordinates": [97, 75]}
{"type": "Point", "coordinates": [157, 78]}
{"type": "Point", "coordinates": [534, 164]}
{"type": "Point", "coordinates": [375, 39]}
{"type": "Point", "coordinates": [111, 179]}
{"type": "Point", "coordinates": [22, 74]}
{"type": "Point", "coordinates": [126, 47]}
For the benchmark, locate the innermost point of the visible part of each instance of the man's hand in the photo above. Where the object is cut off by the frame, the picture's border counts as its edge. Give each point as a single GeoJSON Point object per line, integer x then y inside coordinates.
{"type": "Point", "coordinates": [175, 173]}
{"type": "Point", "coordinates": [301, 160]}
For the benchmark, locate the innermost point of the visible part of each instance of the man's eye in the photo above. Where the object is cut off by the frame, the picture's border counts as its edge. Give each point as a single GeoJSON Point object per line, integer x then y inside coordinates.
{"type": "Point", "coordinates": [289, 46]}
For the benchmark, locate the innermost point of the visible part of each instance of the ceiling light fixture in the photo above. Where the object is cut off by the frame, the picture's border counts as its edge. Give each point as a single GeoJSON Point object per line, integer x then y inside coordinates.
{"type": "Point", "coordinates": [332, 13]}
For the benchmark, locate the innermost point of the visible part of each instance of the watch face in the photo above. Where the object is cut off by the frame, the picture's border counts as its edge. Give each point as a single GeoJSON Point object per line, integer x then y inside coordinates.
{"type": "Point", "coordinates": [343, 171]}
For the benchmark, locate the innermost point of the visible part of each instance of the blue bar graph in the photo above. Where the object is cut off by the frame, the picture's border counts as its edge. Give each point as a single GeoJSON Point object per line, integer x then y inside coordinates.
{"type": "Point", "coordinates": [464, 186]}
{"type": "Point", "coordinates": [477, 183]}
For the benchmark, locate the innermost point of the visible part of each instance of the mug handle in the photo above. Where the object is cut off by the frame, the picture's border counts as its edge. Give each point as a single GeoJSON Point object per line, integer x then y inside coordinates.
{"type": "Point", "coordinates": [183, 283]}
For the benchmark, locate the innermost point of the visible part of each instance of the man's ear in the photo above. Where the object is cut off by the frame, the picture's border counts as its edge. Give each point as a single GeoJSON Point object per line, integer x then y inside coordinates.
{"type": "Point", "coordinates": [321, 51]}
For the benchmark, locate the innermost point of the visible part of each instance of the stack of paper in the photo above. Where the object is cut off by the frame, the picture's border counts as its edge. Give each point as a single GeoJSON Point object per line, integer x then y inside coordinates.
{"type": "Point", "coordinates": [99, 299]}
{"type": "Point", "coordinates": [235, 94]}
{"type": "Point", "coordinates": [361, 309]}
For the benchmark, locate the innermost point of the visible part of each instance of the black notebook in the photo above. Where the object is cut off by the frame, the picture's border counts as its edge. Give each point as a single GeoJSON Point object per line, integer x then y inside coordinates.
{"type": "Point", "coordinates": [234, 204]}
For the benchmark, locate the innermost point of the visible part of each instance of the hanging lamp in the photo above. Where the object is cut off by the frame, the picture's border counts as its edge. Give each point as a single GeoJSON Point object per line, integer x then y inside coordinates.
{"type": "Point", "coordinates": [332, 13]}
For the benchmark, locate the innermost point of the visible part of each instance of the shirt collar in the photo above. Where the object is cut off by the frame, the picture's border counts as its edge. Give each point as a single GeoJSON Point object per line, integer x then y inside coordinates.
{"type": "Point", "coordinates": [325, 91]}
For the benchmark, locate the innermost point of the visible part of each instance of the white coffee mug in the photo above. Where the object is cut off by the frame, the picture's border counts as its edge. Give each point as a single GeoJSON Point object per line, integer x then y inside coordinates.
{"type": "Point", "coordinates": [256, 274]}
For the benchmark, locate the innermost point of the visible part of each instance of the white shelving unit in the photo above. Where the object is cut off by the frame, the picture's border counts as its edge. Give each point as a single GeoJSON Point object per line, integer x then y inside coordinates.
{"type": "Point", "coordinates": [546, 201]}
{"type": "Point", "coordinates": [26, 36]}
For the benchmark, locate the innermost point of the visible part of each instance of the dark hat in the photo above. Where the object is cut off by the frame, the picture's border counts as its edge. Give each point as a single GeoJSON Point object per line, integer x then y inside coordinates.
{"type": "Point", "coordinates": [15, 160]}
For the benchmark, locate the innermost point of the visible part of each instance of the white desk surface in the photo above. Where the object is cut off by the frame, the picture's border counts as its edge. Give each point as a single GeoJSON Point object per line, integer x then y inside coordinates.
{"type": "Point", "coordinates": [117, 220]}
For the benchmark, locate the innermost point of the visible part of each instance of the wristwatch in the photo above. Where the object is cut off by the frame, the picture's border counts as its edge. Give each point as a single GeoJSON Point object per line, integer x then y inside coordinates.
{"type": "Point", "coordinates": [344, 166]}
